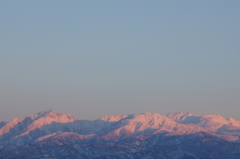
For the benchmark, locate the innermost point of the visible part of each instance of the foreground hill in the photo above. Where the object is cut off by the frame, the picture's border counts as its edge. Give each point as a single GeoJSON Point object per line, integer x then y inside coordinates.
{"type": "Point", "coordinates": [146, 135]}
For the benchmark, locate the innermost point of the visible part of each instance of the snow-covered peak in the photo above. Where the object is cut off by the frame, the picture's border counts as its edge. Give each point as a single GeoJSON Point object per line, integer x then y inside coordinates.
{"type": "Point", "coordinates": [52, 116]}
{"type": "Point", "coordinates": [180, 116]}
{"type": "Point", "coordinates": [233, 122]}
{"type": "Point", "coordinates": [48, 124]}
{"type": "Point", "coordinates": [113, 118]}
{"type": "Point", "coordinates": [210, 122]}
{"type": "Point", "coordinates": [144, 121]}
{"type": "Point", "coordinates": [47, 117]}
{"type": "Point", "coordinates": [146, 113]}
{"type": "Point", "coordinates": [231, 119]}
{"type": "Point", "coordinates": [214, 118]}
{"type": "Point", "coordinates": [148, 123]}
{"type": "Point", "coordinates": [147, 117]}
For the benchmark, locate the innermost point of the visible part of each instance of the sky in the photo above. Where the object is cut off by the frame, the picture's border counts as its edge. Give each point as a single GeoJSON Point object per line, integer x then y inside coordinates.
{"type": "Point", "coordinates": [97, 58]}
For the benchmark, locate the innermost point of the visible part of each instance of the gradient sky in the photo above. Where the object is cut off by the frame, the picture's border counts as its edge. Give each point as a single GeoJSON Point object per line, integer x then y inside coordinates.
{"type": "Point", "coordinates": [96, 58]}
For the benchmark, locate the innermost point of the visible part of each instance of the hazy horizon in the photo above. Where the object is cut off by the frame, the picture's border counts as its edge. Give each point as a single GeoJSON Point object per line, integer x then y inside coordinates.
{"type": "Point", "coordinates": [29, 115]}
{"type": "Point", "coordinates": [97, 58]}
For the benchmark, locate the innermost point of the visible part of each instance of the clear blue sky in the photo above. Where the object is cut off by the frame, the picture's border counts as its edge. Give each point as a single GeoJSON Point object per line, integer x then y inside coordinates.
{"type": "Point", "coordinates": [96, 58]}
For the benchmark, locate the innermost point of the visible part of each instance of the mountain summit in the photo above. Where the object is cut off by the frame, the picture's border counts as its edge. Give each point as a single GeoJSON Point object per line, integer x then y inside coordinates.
{"type": "Point", "coordinates": [57, 131]}
{"type": "Point", "coordinates": [51, 116]}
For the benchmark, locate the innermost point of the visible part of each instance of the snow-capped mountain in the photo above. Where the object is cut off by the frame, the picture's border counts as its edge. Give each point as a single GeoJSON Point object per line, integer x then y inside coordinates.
{"type": "Point", "coordinates": [212, 123]}
{"type": "Point", "coordinates": [51, 134]}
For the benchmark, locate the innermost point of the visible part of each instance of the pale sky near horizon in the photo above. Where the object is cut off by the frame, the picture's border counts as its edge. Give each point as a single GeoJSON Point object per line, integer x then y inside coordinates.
{"type": "Point", "coordinates": [96, 58]}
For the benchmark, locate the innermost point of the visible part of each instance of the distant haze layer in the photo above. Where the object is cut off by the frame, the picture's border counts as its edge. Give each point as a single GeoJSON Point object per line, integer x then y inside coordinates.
{"type": "Point", "coordinates": [96, 58]}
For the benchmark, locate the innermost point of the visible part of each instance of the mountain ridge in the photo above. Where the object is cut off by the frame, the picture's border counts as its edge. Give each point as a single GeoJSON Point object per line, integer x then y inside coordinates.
{"type": "Point", "coordinates": [135, 131]}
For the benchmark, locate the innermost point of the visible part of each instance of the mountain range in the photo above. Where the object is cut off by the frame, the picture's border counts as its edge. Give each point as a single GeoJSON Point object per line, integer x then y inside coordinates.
{"type": "Point", "coordinates": [133, 136]}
